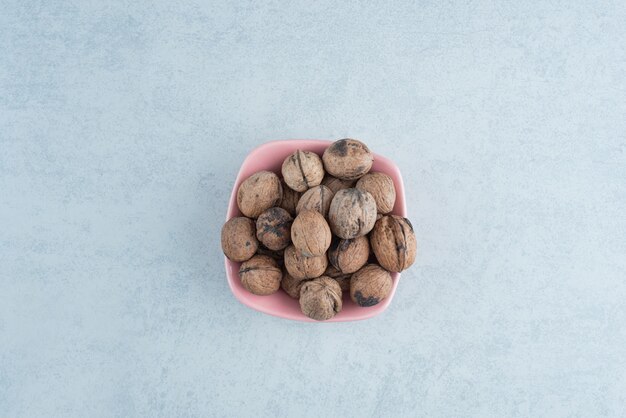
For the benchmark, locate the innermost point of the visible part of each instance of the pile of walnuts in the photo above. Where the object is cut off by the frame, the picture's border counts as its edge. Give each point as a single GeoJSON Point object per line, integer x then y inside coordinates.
{"type": "Point", "coordinates": [322, 230]}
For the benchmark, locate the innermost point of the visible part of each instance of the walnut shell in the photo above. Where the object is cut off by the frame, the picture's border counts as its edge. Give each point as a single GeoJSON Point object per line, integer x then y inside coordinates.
{"type": "Point", "coordinates": [381, 187]}
{"type": "Point", "coordinates": [273, 228]}
{"type": "Point", "coordinates": [393, 242]}
{"type": "Point", "coordinates": [347, 159]}
{"type": "Point", "coordinates": [310, 233]}
{"type": "Point", "coordinates": [258, 193]}
{"type": "Point", "coordinates": [290, 198]}
{"type": "Point", "coordinates": [301, 267]}
{"type": "Point", "coordinates": [260, 275]}
{"type": "Point", "coordinates": [303, 170]}
{"type": "Point", "coordinates": [352, 213]}
{"type": "Point", "coordinates": [335, 184]}
{"type": "Point", "coordinates": [320, 299]}
{"type": "Point", "coordinates": [342, 278]}
{"type": "Point", "coordinates": [317, 198]}
{"type": "Point", "coordinates": [292, 286]}
{"type": "Point", "coordinates": [370, 285]}
{"type": "Point", "coordinates": [239, 242]}
{"type": "Point", "coordinates": [349, 255]}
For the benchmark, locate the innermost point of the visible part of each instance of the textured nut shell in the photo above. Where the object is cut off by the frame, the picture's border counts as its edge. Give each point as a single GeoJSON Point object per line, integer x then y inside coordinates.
{"type": "Point", "coordinates": [335, 184]}
{"type": "Point", "coordinates": [352, 213]}
{"type": "Point", "coordinates": [381, 187]}
{"type": "Point", "coordinates": [370, 285]}
{"type": "Point", "coordinates": [239, 242]}
{"type": "Point", "coordinates": [347, 159]}
{"type": "Point", "coordinates": [260, 275]}
{"type": "Point", "coordinates": [342, 278]}
{"type": "Point", "coordinates": [273, 228]}
{"type": "Point", "coordinates": [320, 299]}
{"type": "Point", "coordinates": [302, 170]}
{"type": "Point", "coordinates": [292, 286]}
{"type": "Point", "coordinates": [290, 199]}
{"type": "Point", "coordinates": [258, 193]}
{"type": "Point", "coordinates": [301, 267]}
{"type": "Point", "coordinates": [393, 242]}
{"type": "Point", "coordinates": [310, 233]}
{"type": "Point", "coordinates": [349, 255]}
{"type": "Point", "coordinates": [317, 198]}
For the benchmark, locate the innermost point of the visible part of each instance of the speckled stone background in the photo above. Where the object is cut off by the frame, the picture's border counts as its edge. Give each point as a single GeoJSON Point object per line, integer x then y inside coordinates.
{"type": "Point", "coordinates": [122, 128]}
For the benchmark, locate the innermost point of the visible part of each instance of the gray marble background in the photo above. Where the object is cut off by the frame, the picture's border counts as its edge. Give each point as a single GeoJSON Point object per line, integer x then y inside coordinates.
{"type": "Point", "coordinates": [123, 125]}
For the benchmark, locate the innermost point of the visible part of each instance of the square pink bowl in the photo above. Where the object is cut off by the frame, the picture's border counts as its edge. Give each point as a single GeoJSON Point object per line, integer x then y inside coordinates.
{"type": "Point", "coordinates": [270, 156]}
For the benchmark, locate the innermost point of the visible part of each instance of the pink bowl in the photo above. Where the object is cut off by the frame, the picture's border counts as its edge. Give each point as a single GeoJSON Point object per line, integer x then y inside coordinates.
{"type": "Point", "coordinates": [270, 156]}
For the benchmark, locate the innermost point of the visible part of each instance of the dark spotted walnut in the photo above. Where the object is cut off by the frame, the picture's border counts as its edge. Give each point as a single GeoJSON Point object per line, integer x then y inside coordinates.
{"type": "Point", "coordinates": [310, 233]}
{"type": "Point", "coordinates": [335, 184]}
{"type": "Point", "coordinates": [301, 267]}
{"type": "Point", "coordinates": [258, 193]}
{"type": "Point", "coordinates": [317, 198]}
{"type": "Point", "coordinates": [239, 242]}
{"type": "Point", "coordinates": [352, 213]}
{"type": "Point", "coordinates": [303, 170]}
{"type": "Point", "coordinates": [273, 228]}
{"type": "Point", "coordinates": [370, 285]}
{"type": "Point", "coordinates": [290, 199]}
{"type": "Point", "coordinates": [260, 275]}
{"type": "Point", "coordinates": [347, 159]}
{"type": "Point", "coordinates": [349, 255]}
{"type": "Point", "coordinates": [381, 187]}
{"type": "Point", "coordinates": [393, 242]}
{"type": "Point", "coordinates": [320, 298]}
{"type": "Point", "coordinates": [292, 286]}
{"type": "Point", "coordinates": [342, 278]}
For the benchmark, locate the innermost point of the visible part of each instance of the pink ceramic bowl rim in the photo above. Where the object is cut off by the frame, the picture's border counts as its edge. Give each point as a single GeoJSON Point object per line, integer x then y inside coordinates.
{"type": "Point", "coordinates": [269, 156]}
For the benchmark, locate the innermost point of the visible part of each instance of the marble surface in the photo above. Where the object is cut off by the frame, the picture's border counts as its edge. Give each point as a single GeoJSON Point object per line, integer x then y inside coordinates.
{"type": "Point", "coordinates": [122, 127]}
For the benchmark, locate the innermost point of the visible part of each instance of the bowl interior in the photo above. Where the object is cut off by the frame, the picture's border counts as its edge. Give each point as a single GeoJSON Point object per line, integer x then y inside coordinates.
{"type": "Point", "coordinates": [270, 156]}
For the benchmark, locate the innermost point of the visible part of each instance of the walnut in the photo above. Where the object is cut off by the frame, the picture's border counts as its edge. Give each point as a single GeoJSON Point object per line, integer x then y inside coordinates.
{"type": "Point", "coordinates": [342, 278]}
{"type": "Point", "coordinates": [349, 255]}
{"type": "Point", "coordinates": [393, 242]}
{"type": "Point", "coordinates": [301, 267]}
{"type": "Point", "coordinates": [370, 285]}
{"type": "Point", "coordinates": [260, 275]}
{"type": "Point", "coordinates": [352, 213]}
{"type": "Point", "coordinates": [335, 184]}
{"type": "Point", "coordinates": [273, 228]}
{"type": "Point", "coordinates": [239, 242]}
{"type": "Point", "coordinates": [292, 286]}
{"type": "Point", "coordinates": [320, 298]}
{"type": "Point", "coordinates": [303, 170]}
{"type": "Point", "coordinates": [347, 159]}
{"type": "Point", "coordinates": [310, 233]}
{"type": "Point", "coordinates": [290, 199]}
{"type": "Point", "coordinates": [381, 187]}
{"type": "Point", "coordinates": [258, 193]}
{"type": "Point", "coordinates": [317, 198]}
